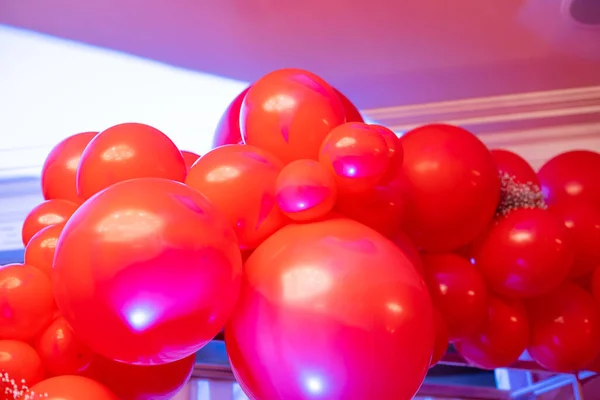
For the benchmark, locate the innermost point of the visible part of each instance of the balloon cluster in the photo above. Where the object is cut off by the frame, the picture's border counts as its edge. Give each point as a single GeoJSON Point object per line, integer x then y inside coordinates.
{"type": "Point", "coordinates": [340, 259]}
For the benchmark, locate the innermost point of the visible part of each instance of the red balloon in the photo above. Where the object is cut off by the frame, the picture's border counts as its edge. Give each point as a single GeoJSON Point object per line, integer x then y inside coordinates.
{"type": "Point", "coordinates": [228, 129]}
{"type": "Point", "coordinates": [525, 254]}
{"type": "Point", "coordinates": [128, 151]}
{"type": "Point", "coordinates": [502, 339]}
{"type": "Point", "coordinates": [305, 190]}
{"type": "Point", "coordinates": [594, 284]}
{"type": "Point", "coordinates": [189, 158]}
{"type": "Point", "coordinates": [313, 275]}
{"type": "Point", "coordinates": [135, 382]}
{"type": "Point", "coordinates": [20, 364]}
{"type": "Point", "coordinates": [441, 338]}
{"type": "Point", "coordinates": [71, 387]}
{"type": "Point", "coordinates": [61, 352]}
{"type": "Point", "coordinates": [26, 302]}
{"type": "Point", "coordinates": [515, 166]}
{"type": "Point", "coordinates": [60, 168]}
{"type": "Point", "coordinates": [571, 174]}
{"type": "Point", "coordinates": [581, 218]}
{"type": "Point", "coordinates": [395, 152]}
{"type": "Point", "coordinates": [50, 212]}
{"type": "Point", "coordinates": [458, 292]}
{"type": "Point", "coordinates": [288, 113]}
{"type": "Point", "coordinates": [565, 327]}
{"type": "Point", "coordinates": [240, 182]}
{"type": "Point", "coordinates": [352, 113]}
{"type": "Point", "coordinates": [39, 252]}
{"type": "Point", "coordinates": [141, 263]}
{"type": "Point", "coordinates": [452, 186]}
{"type": "Point", "coordinates": [357, 156]}
{"type": "Point", "coordinates": [401, 240]}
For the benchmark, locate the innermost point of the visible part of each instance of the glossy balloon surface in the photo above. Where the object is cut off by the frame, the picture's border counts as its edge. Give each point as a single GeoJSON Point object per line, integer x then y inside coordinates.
{"type": "Point", "coordinates": [367, 325]}
{"type": "Point", "coordinates": [357, 156]}
{"type": "Point", "coordinates": [289, 112]}
{"type": "Point", "coordinates": [128, 151]}
{"type": "Point", "coordinates": [565, 327]}
{"type": "Point", "coordinates": [59, 172]}
{"type": "Point", "coordinates": [515, 166]}
{"type": "Point", "coordinates": [451, 184]}
{"type": "Point", "coordinates": [305, 190]}
{"type": "Point", "coordinates": [39, 252]}
{"type": "Point", "coordinates": [350, 110]}
{"type": "Point", "coordinates": [135, 382]}
{"type": "Point", "coordinates": [61, 352]}
{"type": "Point", "coordinates": [501, 339]}
{"type": "Point", "coordinates": [26, 302]}
{"type": "Point", "coordinates": [228, 129]}
{"type": "Point", "coordinates": [18, 362]}
{"type": "Point", "coordinates": [239, 180]}
{"type": "Point", "coordinates": [140, 264]}
{"type": "Point", "coordinates": [404, 243]}
{"type": "Point", "coordinates": [50, 212]}
{"type": "Point", "coordinates": [71, 387]}
{"type": "Point", "coordinates": [525, 254]}
{"type": "Point", "coordinates": [458, 292]}
{"type": "Point", "coordinates": [571, 174]}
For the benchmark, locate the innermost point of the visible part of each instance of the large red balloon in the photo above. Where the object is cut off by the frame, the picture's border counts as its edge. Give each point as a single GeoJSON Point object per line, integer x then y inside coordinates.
{"type": "Point", "coordinates": [128, 151]}
{"type": "Point", "coordinates": [71, 387]}
{"type": "Point", "coordinates": [39, 252]}
{"type": "Point", "coordinates": [240, 181]}
{"type": "Point", "coordinates": [352, 113]}
{"type": "Point", "coordinates": [50, 212]}
{"type": "Point", "coordinates": [60, 168]}
{"type": "Point", "coordinates": [571, 174]}
{"type": "Point", "coordinates": [147, 272]}
{"type": "Point", "coordinates": [20, 363]}
{"type": "Point", "coordinates": [61, 352]}
{"type": "Point", "coordinates": [525, 254]}
{"type": "Point", "coordinates": [26, 302]}
{"type": "Point", "coordinates": [458, 292]}
{"type": "Point", "coordinates": [289, 112]}
{"type": "Point", "coordinates": [582, 220]}
{"type": "Point", "coordinates": [565, 327]}
{"type": "Point", "coordinates": [314, 322]}
{"type": "Point", "coordinates": [135, 382]}
{"type": "Point", "coordinates": [452, 186]}
{"type": "Point", "coordinates": [501, 339]}
{"type": "Point", "coordinates": [515, 166]}
{"type": "Point", "coordinates": [228, 129]}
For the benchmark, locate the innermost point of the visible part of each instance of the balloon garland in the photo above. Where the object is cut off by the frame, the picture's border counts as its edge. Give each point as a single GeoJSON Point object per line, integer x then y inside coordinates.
{"type": "Point", "coordinates": [340, 259]}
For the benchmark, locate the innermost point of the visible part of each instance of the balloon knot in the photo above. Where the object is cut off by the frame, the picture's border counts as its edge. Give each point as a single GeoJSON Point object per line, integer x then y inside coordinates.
{"type": "Point", "coordinates": [515, 195]}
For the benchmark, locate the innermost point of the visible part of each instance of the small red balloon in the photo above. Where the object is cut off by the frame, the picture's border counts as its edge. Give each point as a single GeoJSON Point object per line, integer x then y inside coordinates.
{"type": "Point", "coordinates": [357, 156]}
{"type": "Point", "coordinates": [451, 186]}
{"type": "Point", "coordinates": [239, 181]}
{"type": "Point", "coordinates": [59, 172]}
{"type": "Point", "coordinates": [39, 252]}
{"type": "Point", "coordinates": [26, 302]}
{"type": "Point", "coordinates": [515, 166]}
{"type": "Point", "coordinates": [135, 382]}
{"type": "Point", "coordinates": [128, 151]}
{"type": "Point", "coordinates": [142, 262]}
{"type": "Point", "coordinates": [350, 110]}
{"type": "Point", "coordinates": [565, 327]}
{"type": "Point", "coordinates": [525, 254]}
{"type": "Point", "coordinates": [71, 387]}
{"type": "Point", "coordinates": [20, 364]}
{"type": "Point", "coordinates": [441, 338]}
{"type": "Point", "coordinates": [61, 352]}
{"type": "Point", "coordinates": [50, 212]}
{"type": "Point", "coordinates": [190, 158]}
{"type": "Point", "coordinates": [305, 190]}
{"type": "Point", "coordinates": [288, 113]}
{"type": "Point", "coordinates": [313, 275]}
{"type": "Point", "coordinates": [502, 338]}
{"type": "Point", "coordinates": [458, 292]}
{"type": "Point", "coordinates": [581, 218]}
{"type": "Point", "coordinates": [228, 129]}
{"type": "Point", "coordinates": [571, 174]}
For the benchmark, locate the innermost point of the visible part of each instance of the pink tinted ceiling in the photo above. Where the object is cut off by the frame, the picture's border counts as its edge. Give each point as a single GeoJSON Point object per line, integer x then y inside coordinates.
{"type": "Point", "coordinates": [380, 53]}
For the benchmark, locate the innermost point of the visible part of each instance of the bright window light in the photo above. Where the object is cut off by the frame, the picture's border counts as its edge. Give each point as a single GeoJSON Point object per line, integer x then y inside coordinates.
{"type": "Point", "coordinates": [52, 88]}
